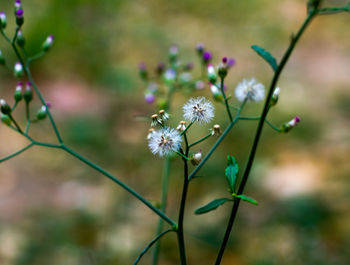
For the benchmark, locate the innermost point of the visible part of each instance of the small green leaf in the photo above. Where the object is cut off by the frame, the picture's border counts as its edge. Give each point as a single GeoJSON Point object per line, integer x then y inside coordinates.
{"type": "Point", "coordinates": [211, 205]}
{"type": "Point", "coordinates": [231, 172]}
{"type": "Point", "coordinates": [247, 199]}
{"type": "Point", "coordinates": [266, 55]}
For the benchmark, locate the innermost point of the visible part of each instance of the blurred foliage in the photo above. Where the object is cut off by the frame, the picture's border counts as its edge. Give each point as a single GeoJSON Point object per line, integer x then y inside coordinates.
{"type": "Point", "coordinates": [55, 211]}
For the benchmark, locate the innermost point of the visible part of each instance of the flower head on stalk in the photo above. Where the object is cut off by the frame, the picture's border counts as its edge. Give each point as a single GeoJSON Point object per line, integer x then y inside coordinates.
{"type": "Point", "coordinates": [250, 89]}
{"type": "Point", "coordinates": [164, 141]}
{"type": "Point", "coordinates": [198, 110]}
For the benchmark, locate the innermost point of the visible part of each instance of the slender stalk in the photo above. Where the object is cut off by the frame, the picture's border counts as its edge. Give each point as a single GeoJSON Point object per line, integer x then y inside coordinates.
{"type": "Point", "coordinates": [258, 118]}
{"type": "Point", "coordinates": [35, 57]}
{"type": "Point", "coordinates": [144, 251]}
{"type": "Point", "coordinates": [180, 230]}
{"type": "Point", "coordinates": [225, 99]}
{"type": "Point", "coordinates": [188, 126]}
{"type": "Point", "coordinates": [258, 134]}
{"type": "Point", "coordinates": [15, 123]}
{"type": "Point", "coordinates": [165, 183]}
{"type": "Point", "coordinates": [16, 153]}
{"type": "Point", "coordinates": [28, 118]}
{"type": "Point", "coordinates": [217, 143]}
{"type": "Point", "coordinates": [200, 140]}
{"type": "Point", "coordinates": [124, 186]}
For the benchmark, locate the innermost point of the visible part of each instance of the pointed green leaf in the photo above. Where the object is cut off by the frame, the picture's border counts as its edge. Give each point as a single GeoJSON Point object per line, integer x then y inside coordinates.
{"type": "Point", "coordinates": [231, 172]}
{"type": "Point", "coordinates": [211, 205]}
{"type": "Point", "coordinates": [266, 55]}
{"type": "Point", "coordinates": [247, 199]}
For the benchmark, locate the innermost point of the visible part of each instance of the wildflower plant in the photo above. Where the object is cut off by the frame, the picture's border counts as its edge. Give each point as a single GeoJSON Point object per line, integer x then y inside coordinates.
{"type": "Point", "coordinates": [167, 141]}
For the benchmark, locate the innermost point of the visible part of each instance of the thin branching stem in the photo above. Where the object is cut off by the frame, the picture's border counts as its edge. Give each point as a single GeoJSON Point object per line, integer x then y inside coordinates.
{"type": "Point", "coordinates": [264, 113]}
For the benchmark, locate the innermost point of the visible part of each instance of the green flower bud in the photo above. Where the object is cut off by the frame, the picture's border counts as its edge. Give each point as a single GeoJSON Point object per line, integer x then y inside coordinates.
{"type": "Point", "coordinates": [18, 70]}
{"type": "Point", "coordinates": [274, 98]}
{"type": "Point", "coordinates": [20, 39]}
{"type": "Point", "coordinates": [5, 119]}
{"type": "Point", "coordinates": [3, 20]}
{"type": "Point", "coordinates": [42, 113]}
{"type": "Point", "coordinates": [28, 93]}
{"type": "Point", "coordinates": [5, 108]}
{"type": "Point", "coordinates": [48, 43]}
{"type": "Point", "coordinates": [18, 92]}
{"type": "Point", "coordinates": [212, 74]}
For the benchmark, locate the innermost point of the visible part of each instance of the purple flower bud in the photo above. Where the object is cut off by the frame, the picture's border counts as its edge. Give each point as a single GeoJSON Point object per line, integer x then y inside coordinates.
{"type": "Point", "coordinates": [143, 70]}
{"type": "Point", "coordinates": [206, 56]}
{"type": "Point", "coordinates": [48, 104]}
{"type": "Point", "coordinates": [200, 85]}
{"type": "Point", "coordinates": [142, 66]}
{"type": "Point", "coordinates": [297, 119]}
{"type": "Point", "coordinates": [200, 48]}
{"type": "Point", "coordinates": [174, 50]}
{"type": "Point", "coordinates": [160, 68]}
{"type": "Point", "coordinates": [19, 13]}
{"type": "Point", "coordinates": [48, 43]}
{"type": "Point", "coordinates": [149, 98]}
{"type": "Point", "coordinates": [18, 4]}
{"type": "Point", "coordinates": [231, 62]}
{"type": "Point", "coordinates": [224, 60]}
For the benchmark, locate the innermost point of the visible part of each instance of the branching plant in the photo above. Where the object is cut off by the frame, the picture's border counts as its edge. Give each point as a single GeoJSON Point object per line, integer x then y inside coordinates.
{"type": "Point", "coordinates": [169, 143]}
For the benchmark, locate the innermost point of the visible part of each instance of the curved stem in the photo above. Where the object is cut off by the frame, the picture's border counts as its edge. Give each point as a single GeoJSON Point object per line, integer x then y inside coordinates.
{"type": "Point", "coordinates": [200, 140]}
{"type": "Point", "coordinates": [258, 134]}
{"type": "Point", "coordinates": [144, 251]}
{"type": "Point", "coordinates": [124, 186]}
{"type": "Point", "coordinates": [225, 99]}
{"type": "Point", "coordinates": [16, 153]}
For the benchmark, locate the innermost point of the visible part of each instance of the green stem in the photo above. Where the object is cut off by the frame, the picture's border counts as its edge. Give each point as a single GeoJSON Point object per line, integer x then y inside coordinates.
{"type": "Point", "coordinates": [35, 57]}
{"type": "Point", "coordinates": [225, 99]}
{"type": "Point", "coordinates": [124, 186]}
{"type": "Point", "coordinates": [201, 140]}
{"type": "Point", "coordinates": [258, 134]}
{"type": "Point", "coordinates": [144, 251]}
{"type": "Point", "coordinates": [180, 230]}
{"type": "Point", "coordinates": [16, 153]}
{"type": "Point", "coordinates": [217, 143]}
{"type": "Point", "coordinates": [28, 118]}
{"type": "Point", "coordinates": [15, 123]}
{"type": "Point", "coordinates": [258, 118]}
{"type": "Point", "coordinates": [165, 181]}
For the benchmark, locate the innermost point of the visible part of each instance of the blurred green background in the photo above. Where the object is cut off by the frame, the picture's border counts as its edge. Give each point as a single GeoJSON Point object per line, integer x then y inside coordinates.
{"type": "Point", "coordinates": [54, 210]}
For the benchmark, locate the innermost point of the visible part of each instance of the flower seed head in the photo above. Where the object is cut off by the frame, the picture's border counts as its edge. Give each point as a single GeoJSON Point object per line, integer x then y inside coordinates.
{"type": "Point", "coordinates": [250, 89]}
{"type": "Point", "coordinates": [164, 141]}
{"type": "Point", "coordinates": [216, 130]}
{"type": "Point", "coordinates": [163, 116]}
{"type": "Point", "coordinates": [198, 110]}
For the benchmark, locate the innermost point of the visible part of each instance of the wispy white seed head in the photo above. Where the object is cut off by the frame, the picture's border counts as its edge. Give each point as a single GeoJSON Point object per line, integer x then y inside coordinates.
{"type": "Point", "coordinates": [250, 89]}
{"type": "Point", "coordinates": [198, 110]}
{"type": "Point", "coordinates": [164, 141]}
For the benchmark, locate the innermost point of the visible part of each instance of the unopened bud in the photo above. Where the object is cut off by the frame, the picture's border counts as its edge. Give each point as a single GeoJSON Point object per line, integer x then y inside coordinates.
{"type": "Point", "coordinates": [274, 98]}
{"type": "Point", "coordinates": [160, 68]}
{"type": "Point", "coordinates": [196, 158]}
{"type": "Point", "coordinates": [18, 70]}
{"type": "Point", "coordinates": [200, 48]}
{"type": "Point", "coordinates": [182, 126]}
{"type": "Point", "coordinates": [173, 53]}
{"type": "Point", "coordinates": [20, 39]}
{"type": "Point", "coordinates": [206, 57]}
{"type": "Point", "coordinates": [216, 130]}
{"type": "Point", "coordinates": [170, 76]}
{"type": "Point", "coordinates": [217, 95]}
{"type": "Point", "coordinates": [28, 93]}
{"type": "Point", "coordinates": [5, 108]}
{"type": "Point", "coordinates": [18, 5]}
{"type": "Point", "coordinates": [48, 43]}
{"type": "Point", "coordinates": [211, 74]}
{"type": "Point", "coordinates": [150, 97]}
{"type": "Point", "coordinates": [18, 92]}
{"type": "Point", "coordinates": [3, 20]}
{"type": "Point", "coordinates": [290, 125]}
{"type": "Point", "coordinates": [5, 119]}
{"type": "Point", "coordinates": [19, 17]}
{"type": "Point", "coordinates": [143, 71]}
{"type": "Point", "coordinates": [42, 113]}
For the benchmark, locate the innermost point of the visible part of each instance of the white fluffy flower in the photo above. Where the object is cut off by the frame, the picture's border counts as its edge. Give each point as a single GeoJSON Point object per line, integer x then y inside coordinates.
{"type": "Point", "coordinates": [164, 141]}
{"type": "Point", "coordinates": [198, 110]}
{"type": "Point", "coordinates": [250, 89]}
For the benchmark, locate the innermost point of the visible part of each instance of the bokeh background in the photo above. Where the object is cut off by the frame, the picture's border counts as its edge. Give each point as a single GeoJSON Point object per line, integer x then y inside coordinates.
{"type": "Point", "coordinates": [54, 210]}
